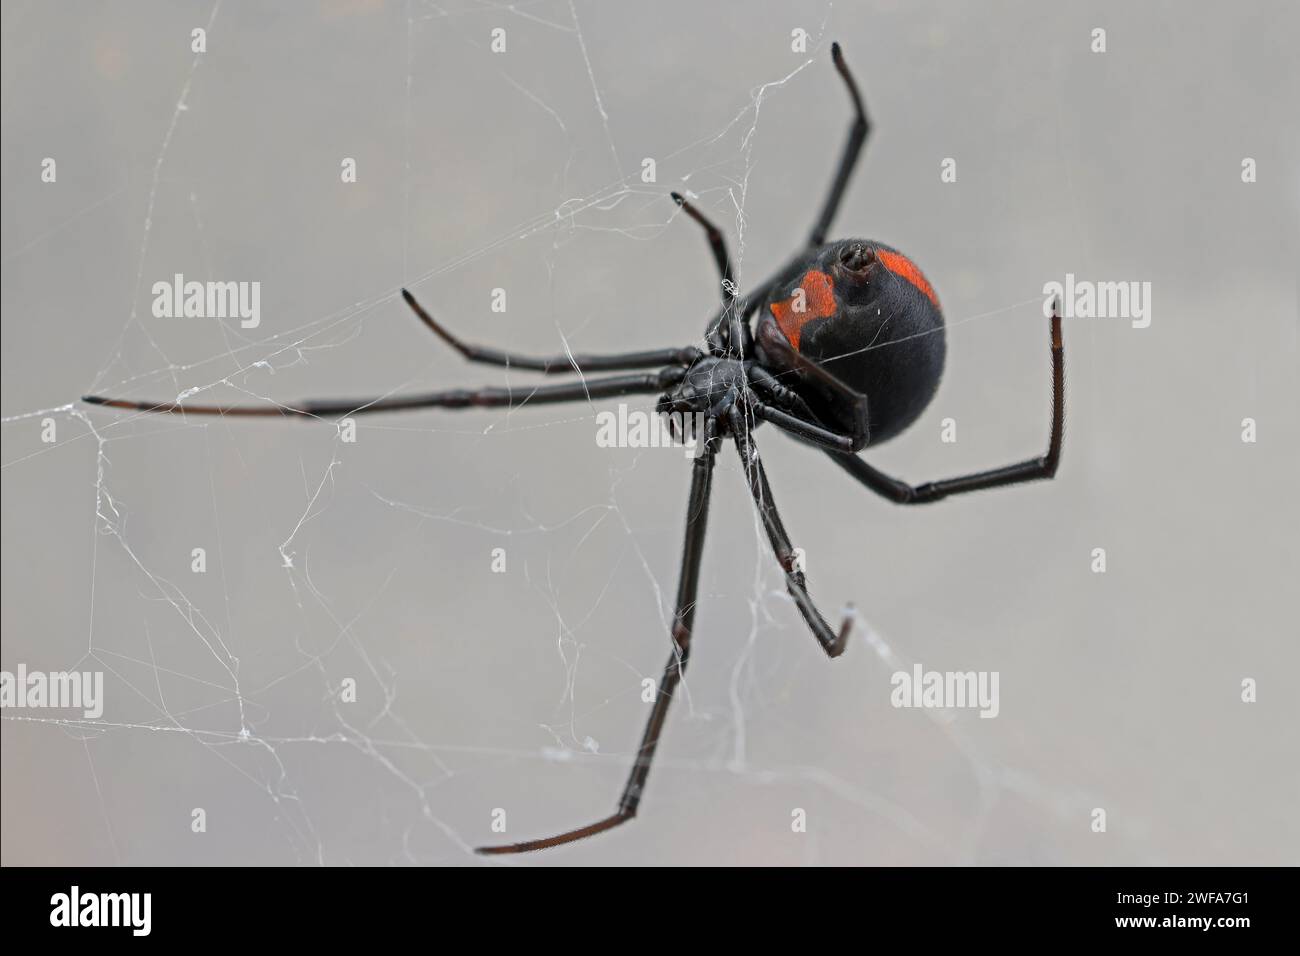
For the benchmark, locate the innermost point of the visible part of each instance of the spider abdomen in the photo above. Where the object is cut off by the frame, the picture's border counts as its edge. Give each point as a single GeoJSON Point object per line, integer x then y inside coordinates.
{"type": "Point", "coordinates": [866, 314]}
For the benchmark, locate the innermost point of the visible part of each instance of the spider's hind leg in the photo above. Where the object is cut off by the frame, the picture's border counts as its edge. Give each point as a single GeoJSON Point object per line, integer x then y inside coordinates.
{"type": "Point", "coordinates": [858, 132]}
{"type": "Point", "coordinates": [1034, 469]}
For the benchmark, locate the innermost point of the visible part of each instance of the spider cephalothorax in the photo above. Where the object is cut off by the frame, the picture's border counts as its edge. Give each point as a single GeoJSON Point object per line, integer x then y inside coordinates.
{"type": "Point", "coordinates": [709, 386]}
{"type": "Point", "coordinates": [848, 350]}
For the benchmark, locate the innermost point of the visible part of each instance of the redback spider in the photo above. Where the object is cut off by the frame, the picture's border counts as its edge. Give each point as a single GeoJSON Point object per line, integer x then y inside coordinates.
{"type": "Point", "coordinates": [847, 351]}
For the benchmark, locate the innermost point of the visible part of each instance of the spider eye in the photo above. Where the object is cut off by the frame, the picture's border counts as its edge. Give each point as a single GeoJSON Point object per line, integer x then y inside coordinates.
{"type": "Point", "coordinates": [857, 257]}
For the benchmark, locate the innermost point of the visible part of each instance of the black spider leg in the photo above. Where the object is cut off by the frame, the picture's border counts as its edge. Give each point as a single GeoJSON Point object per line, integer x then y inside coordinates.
{"type": "Point", "coordinates": [771, 386]}
{"type": "Point", "coordinates": [804, 423]}
{"type": "Point", "coordinates": [719, 331]}
{"type": "Point", "coordinates": [832, 643]}
{"type": "Point", "coordinates": [697, 511]}
{"type": "Point", "coordinates": [717, 244]}
{"type": "Point", "coordinates": [799, 420]}
{"type": "Point", "coordinates": [808, 431]}
{"type": "Point", "coordinates": [730, 333]}
{"type": "Point", "coordinates": [553, 364]}
{"type": "Point", "coordinates": [852, 150]}
{"type": "Point", "coordinates": [1031, 470]}
{"type": "Point", "coordinates": [452, 398]}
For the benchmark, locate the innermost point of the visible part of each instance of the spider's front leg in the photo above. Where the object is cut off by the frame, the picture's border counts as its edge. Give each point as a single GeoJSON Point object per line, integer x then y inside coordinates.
{"type": "Point", "coordinates": [831, 642]}
{"type": "Point", "coordinates": [491, 397]}
{"type": "Point", "coordinates": [697, 511]}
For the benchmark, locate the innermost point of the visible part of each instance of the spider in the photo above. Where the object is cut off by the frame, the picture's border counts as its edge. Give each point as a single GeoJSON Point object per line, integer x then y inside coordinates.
{"type": "Point", "coordinates": [847, 350]}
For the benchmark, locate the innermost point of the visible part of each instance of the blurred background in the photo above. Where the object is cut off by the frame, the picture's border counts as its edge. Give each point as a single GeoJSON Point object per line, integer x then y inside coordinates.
{"type": "Point", "coordinates": [369, 564]}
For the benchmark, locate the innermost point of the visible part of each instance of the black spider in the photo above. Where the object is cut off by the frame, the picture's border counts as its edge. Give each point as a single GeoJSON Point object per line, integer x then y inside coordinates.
{"type": "Point", "coordinates": [848, 351]}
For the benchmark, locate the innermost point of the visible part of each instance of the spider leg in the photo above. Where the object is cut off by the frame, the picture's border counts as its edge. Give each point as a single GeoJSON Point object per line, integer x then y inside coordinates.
{"type": "Point", "coordinates": [719, 331]}
{"type": "Point", "coordinates": [557, 363]}
{"type": "Point", "coordinates": [1031, 470]}
{"type": "Point", "coordinates": [803, 423]}
{"type": "Point", "coordinates": [730, 333]}
{"type": "Point", "coordinates": [832, 643]}
{"type": "Point", "coordinates": [806, 424]}
{"type": "Point", "coordinates": [697, 511]}
{"type": "Point", "coordinates": [717, 243]}
{"type": "Point", "coordinates": [806, 430]}
{"type": "Point", "coordinates": [858, 132]}
{"type": "Point", "coordinates": [771, 386]}
{"type": "Point", "coordinates": [492, 397]}
{"type": "Point", "coordinates": [852, 149]}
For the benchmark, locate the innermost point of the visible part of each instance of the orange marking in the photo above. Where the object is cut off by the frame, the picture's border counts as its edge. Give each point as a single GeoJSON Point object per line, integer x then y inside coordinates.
{"type": "Point", "coordinates": [900, 265]}
{"type": "Point", "coordinates": [818, 303]}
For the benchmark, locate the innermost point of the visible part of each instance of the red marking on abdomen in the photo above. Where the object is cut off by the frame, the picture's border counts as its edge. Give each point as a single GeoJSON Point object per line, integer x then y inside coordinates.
{"type": "Point", "coordinates": [902, 266]}
{"type": "Point", "coordinates": [818, 303]}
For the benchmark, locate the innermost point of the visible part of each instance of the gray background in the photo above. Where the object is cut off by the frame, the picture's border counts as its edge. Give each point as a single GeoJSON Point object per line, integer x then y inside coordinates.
{"type": "Point", "coordinates": [481, 690]}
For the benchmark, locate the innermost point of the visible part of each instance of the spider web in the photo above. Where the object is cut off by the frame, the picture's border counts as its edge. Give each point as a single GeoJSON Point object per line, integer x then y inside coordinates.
{"type": "Point", "coordinates": [338, 567]}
